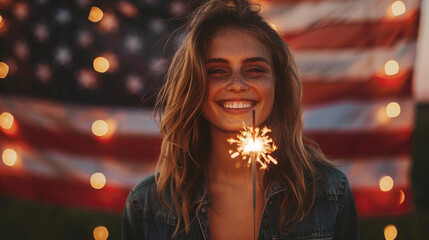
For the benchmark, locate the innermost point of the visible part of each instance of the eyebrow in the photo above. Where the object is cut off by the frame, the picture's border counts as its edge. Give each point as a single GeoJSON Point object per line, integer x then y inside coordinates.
{"type": "Point", "coordinates": [247, 60]}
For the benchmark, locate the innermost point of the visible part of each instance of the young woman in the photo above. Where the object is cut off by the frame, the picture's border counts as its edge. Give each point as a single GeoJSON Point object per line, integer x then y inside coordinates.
{"type": "Point", "coordinates": [230, 63]}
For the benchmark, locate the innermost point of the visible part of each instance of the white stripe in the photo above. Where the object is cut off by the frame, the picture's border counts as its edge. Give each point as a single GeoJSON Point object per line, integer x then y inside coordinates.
{"type": "Point", "coordinates": [52, 115]}
{"type": "Point", "coordinates": [346, 64]}
{"type": "Point", "coordinates": [366, 173]}
{"type": "Point", "coordinates": [301, 16]}
{"type": "Point", "coordinates": [54, 164]}
{"type": "Point", "coordinates": [358, 115]}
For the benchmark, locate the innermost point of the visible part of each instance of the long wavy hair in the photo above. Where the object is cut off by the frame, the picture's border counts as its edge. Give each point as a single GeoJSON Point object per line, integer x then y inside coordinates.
{"type": "Point", "coordinates": [182, 167]}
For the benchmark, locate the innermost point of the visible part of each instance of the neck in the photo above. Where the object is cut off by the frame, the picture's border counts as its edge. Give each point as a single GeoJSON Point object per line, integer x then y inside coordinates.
{"type": "Point", "coordinates": [221, 166]}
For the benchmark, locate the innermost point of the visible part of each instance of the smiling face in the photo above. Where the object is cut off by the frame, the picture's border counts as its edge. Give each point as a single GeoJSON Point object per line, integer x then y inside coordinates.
{"type": "Point", "coordinates": [240, 77]}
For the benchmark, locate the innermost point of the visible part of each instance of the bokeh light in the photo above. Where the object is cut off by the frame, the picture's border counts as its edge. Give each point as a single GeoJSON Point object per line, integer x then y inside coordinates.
{"type": "Point", "coordinates": [100, 233]}
{"type": "Point", "coordinates": [391, 67]}
{"type": "Point", "coordinates": [9, 157]}
{"type": "Point", "coordinates": [98, 180]}
{"type": "Point", "coordinates": [4, 69]}
{"type": "Point", "coordinates": [390, 232]}
{"type": "Point", "coordinates": [393, 109]}
{"type": "Point", "coordinates": [401, 197]}
{"type": "Point", "coordinates": [101, 64]}
{"type": "Point", "coordinates": [95, 15]}
{"type": "Point", "coordinates": [6, 120]}
{"type": "Point", "coordinates": [398, 8]}
{"type": "Point", "coordinates": [100, 128]}
{"type": "Point", "coordinates": [386, 183]}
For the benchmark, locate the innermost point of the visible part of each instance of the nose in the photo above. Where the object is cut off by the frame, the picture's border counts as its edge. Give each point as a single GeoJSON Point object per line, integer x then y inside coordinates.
{"type": "Point", "coordinates": [237, 83]}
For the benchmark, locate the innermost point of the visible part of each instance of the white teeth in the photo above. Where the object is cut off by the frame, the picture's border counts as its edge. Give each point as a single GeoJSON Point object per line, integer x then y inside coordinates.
{"type": "Point", "coordinates": [237, 105]}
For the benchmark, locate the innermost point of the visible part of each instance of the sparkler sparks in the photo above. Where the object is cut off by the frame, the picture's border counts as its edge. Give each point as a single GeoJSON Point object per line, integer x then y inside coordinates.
{"type": "Point", "coordinates": [254, 143]}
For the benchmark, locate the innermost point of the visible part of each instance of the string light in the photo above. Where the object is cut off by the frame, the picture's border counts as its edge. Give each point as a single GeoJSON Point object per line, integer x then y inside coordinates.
{"type": "Point", "coordinates": [97, 180]}
{"type": "Point", "coordinates": [6, 120]}
{"type": "Point", "coordinates": [100, 233]}
{"type": "Point", "coordinates": [100, 128]}
{"type": "Point", "coordinates": [95, 15]}
{"type": "Point", "coordinates": [4, 69]}
{"type": "Point", "coordinates": [398, 8]}
{"type": "Point", "coordinates": [9, 157]}
{"type": "Point", "coordinates": [386, 183]}
{"type": "Point", "coordinates": [390, 232]}
{"type": "Point", "coordinates": [101, 64]}
{"type": "Point", "coordinates": [391, 67]}
{"type": "Point", "coordinates": [393, 109]}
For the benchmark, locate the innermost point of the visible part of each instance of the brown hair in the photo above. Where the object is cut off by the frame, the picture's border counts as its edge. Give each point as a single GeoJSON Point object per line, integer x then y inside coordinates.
{"type": "Point", "coordinates": [182, 167]}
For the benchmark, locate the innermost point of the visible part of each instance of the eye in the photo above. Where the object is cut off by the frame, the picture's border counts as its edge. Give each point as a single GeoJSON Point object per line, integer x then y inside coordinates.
{"type": "Point", "coordinates": [255, 71]}
{"type": "Point", "coordinates": [216, 71]}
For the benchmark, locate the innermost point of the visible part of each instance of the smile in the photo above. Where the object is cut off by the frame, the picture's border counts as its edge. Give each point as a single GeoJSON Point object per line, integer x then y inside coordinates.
{"type": "Point", "coordinates": [237, 104]}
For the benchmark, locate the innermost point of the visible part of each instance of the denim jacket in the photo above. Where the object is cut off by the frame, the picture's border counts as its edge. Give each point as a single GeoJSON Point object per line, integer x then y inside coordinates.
{"type": "Point", "coordinates": [333, 215]}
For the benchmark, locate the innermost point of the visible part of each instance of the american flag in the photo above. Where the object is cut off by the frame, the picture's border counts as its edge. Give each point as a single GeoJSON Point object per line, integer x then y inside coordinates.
{"type": "Point", "coordinates": [70, 122]}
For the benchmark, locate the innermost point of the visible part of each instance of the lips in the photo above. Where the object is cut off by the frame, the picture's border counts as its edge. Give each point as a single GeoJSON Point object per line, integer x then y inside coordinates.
{"type": "Point", "coordinates": [237, 104]}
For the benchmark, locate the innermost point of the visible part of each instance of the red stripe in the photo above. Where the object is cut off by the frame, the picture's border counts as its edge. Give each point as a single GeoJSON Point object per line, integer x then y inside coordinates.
{"type": "Point", "coordinates": [119, 147]}
{"type": "Point", "coordinates": [374, 202]}
{"type": "Point", "coordinates": [63, 192]}
{"type": "Point", "coordinates": [336, 144]}
{"type": "Point", "coordinates": [363, 144]}
{"type": "Point", "coordinates": [354, 35]}
{"type": "Point", "coordinates": [369, 202]}
{"type": "Point", "coordinates": [319, 91]}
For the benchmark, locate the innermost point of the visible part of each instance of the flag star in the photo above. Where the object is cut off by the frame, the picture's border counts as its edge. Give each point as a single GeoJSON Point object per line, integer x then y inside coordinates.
{"type": "Point", "coordinates": [157, 26]}
{"type": "Point", "coordinates": [21, 10]}
{"type": "Point", "coordinates": [133, 43]}
{"type": "Point", "coordinates": [84, 38]}
{"type": "Point", "coordinates": [63, 16]}
{"type": "Point", "coordinates": [134, 84]}
{"type": "Point", "coordinates": [62, 56]}
{"type": "Point", "coordinates": [41, 32]}
{"type": "Point", "coordinates": [87, 79]}
{"type": "Point", "coordinates": [43, 72]}
{"type": "Point", "coordinates": [20, 50]}
{"type": "Point", "coordinates": [157, 65]}
{"type": "Point", "coordinates": [177, 8]}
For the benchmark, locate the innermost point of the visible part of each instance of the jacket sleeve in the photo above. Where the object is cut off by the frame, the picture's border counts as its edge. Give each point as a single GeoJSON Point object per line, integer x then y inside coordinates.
{"type": "Point", "coordinates": [347, 224]}
{"type": "Point", "coordinates": [132, 226]}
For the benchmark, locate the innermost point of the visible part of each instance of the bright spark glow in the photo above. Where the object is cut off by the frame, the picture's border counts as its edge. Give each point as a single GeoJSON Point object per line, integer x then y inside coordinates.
{"type": "Point", "coordinates": [100, 128]}
{"type": "Point", "coordinates": [261, 147]}
{"type": "Point", "coordinates": [95, 15]}
{"type": "Point", "coordinates": [9, 157]}
{"type": "Point", "coordinates": [6, 120]}
{"type": "Point", "coordinates": [4, 69]}
{"type": "Point", "coordinates": [101, 64]}
{"type": "Point", "coordinates": [401, 197]}
{"type": "Point", "coordinates": [386, 183]}
{"type": "Point", "coordinates": [391, 67]}
{"type": "Point", "coordinates": [97, 180]}
{"type": "Point", "coordinates": [393, 109]}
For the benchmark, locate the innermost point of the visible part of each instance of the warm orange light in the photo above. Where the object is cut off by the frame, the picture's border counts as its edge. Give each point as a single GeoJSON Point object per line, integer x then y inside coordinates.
{"type": "Point", "coordinates": [101, 64]}
{"type": "Point", "coordinates": [100, 128]}
{"type": "Point", "coordinates": [1, 19]}
{"type": "Point", "coordinates": [393, 109]}
{"type": "Point", "coordinates": [4, 69]}
{"type": "Point", "coordinates": [398, 8]}
{"type": "Point", "coordinates": [390, 232]}
{"type": "Point", "coordinates": [6, 120]}
{"type": "Point", "coordinates": [95, 15]}
{"type": "Point", "coordinates": [386, 183]}
{"type": "Point", "coordinates": [100, 233]}
{"type": "Point", "coordinates": [9, 157]}
{"type": "Point", "coordinates": [97, 180]}
{"type": "Point", "coordinates": [391, 67]}
{"type": "Point", "coordinates": [401, 197]}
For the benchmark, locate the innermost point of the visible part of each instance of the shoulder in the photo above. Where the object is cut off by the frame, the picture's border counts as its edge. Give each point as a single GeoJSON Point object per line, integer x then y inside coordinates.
{"type": "Point", "coordinates": [331, 183]}
{"type": "Point", "coordinates": [144, 199]}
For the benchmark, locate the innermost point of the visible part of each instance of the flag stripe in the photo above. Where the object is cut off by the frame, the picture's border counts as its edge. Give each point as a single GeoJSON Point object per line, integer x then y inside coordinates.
{"type": "Point", "coordinates": [358, 35]}
{"type": "Point", "coordinates": [320, 91]}
{"type": "Point", "coordinates": [294, 16]}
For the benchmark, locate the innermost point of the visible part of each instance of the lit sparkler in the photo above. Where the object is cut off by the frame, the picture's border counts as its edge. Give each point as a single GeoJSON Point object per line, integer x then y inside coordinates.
{"type": "Point", "coordinates": [253, 140]}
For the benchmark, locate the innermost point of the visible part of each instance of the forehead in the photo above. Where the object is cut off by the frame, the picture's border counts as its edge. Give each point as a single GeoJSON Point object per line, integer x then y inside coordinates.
{"type": "Point", "coordinates": [236, 43]}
